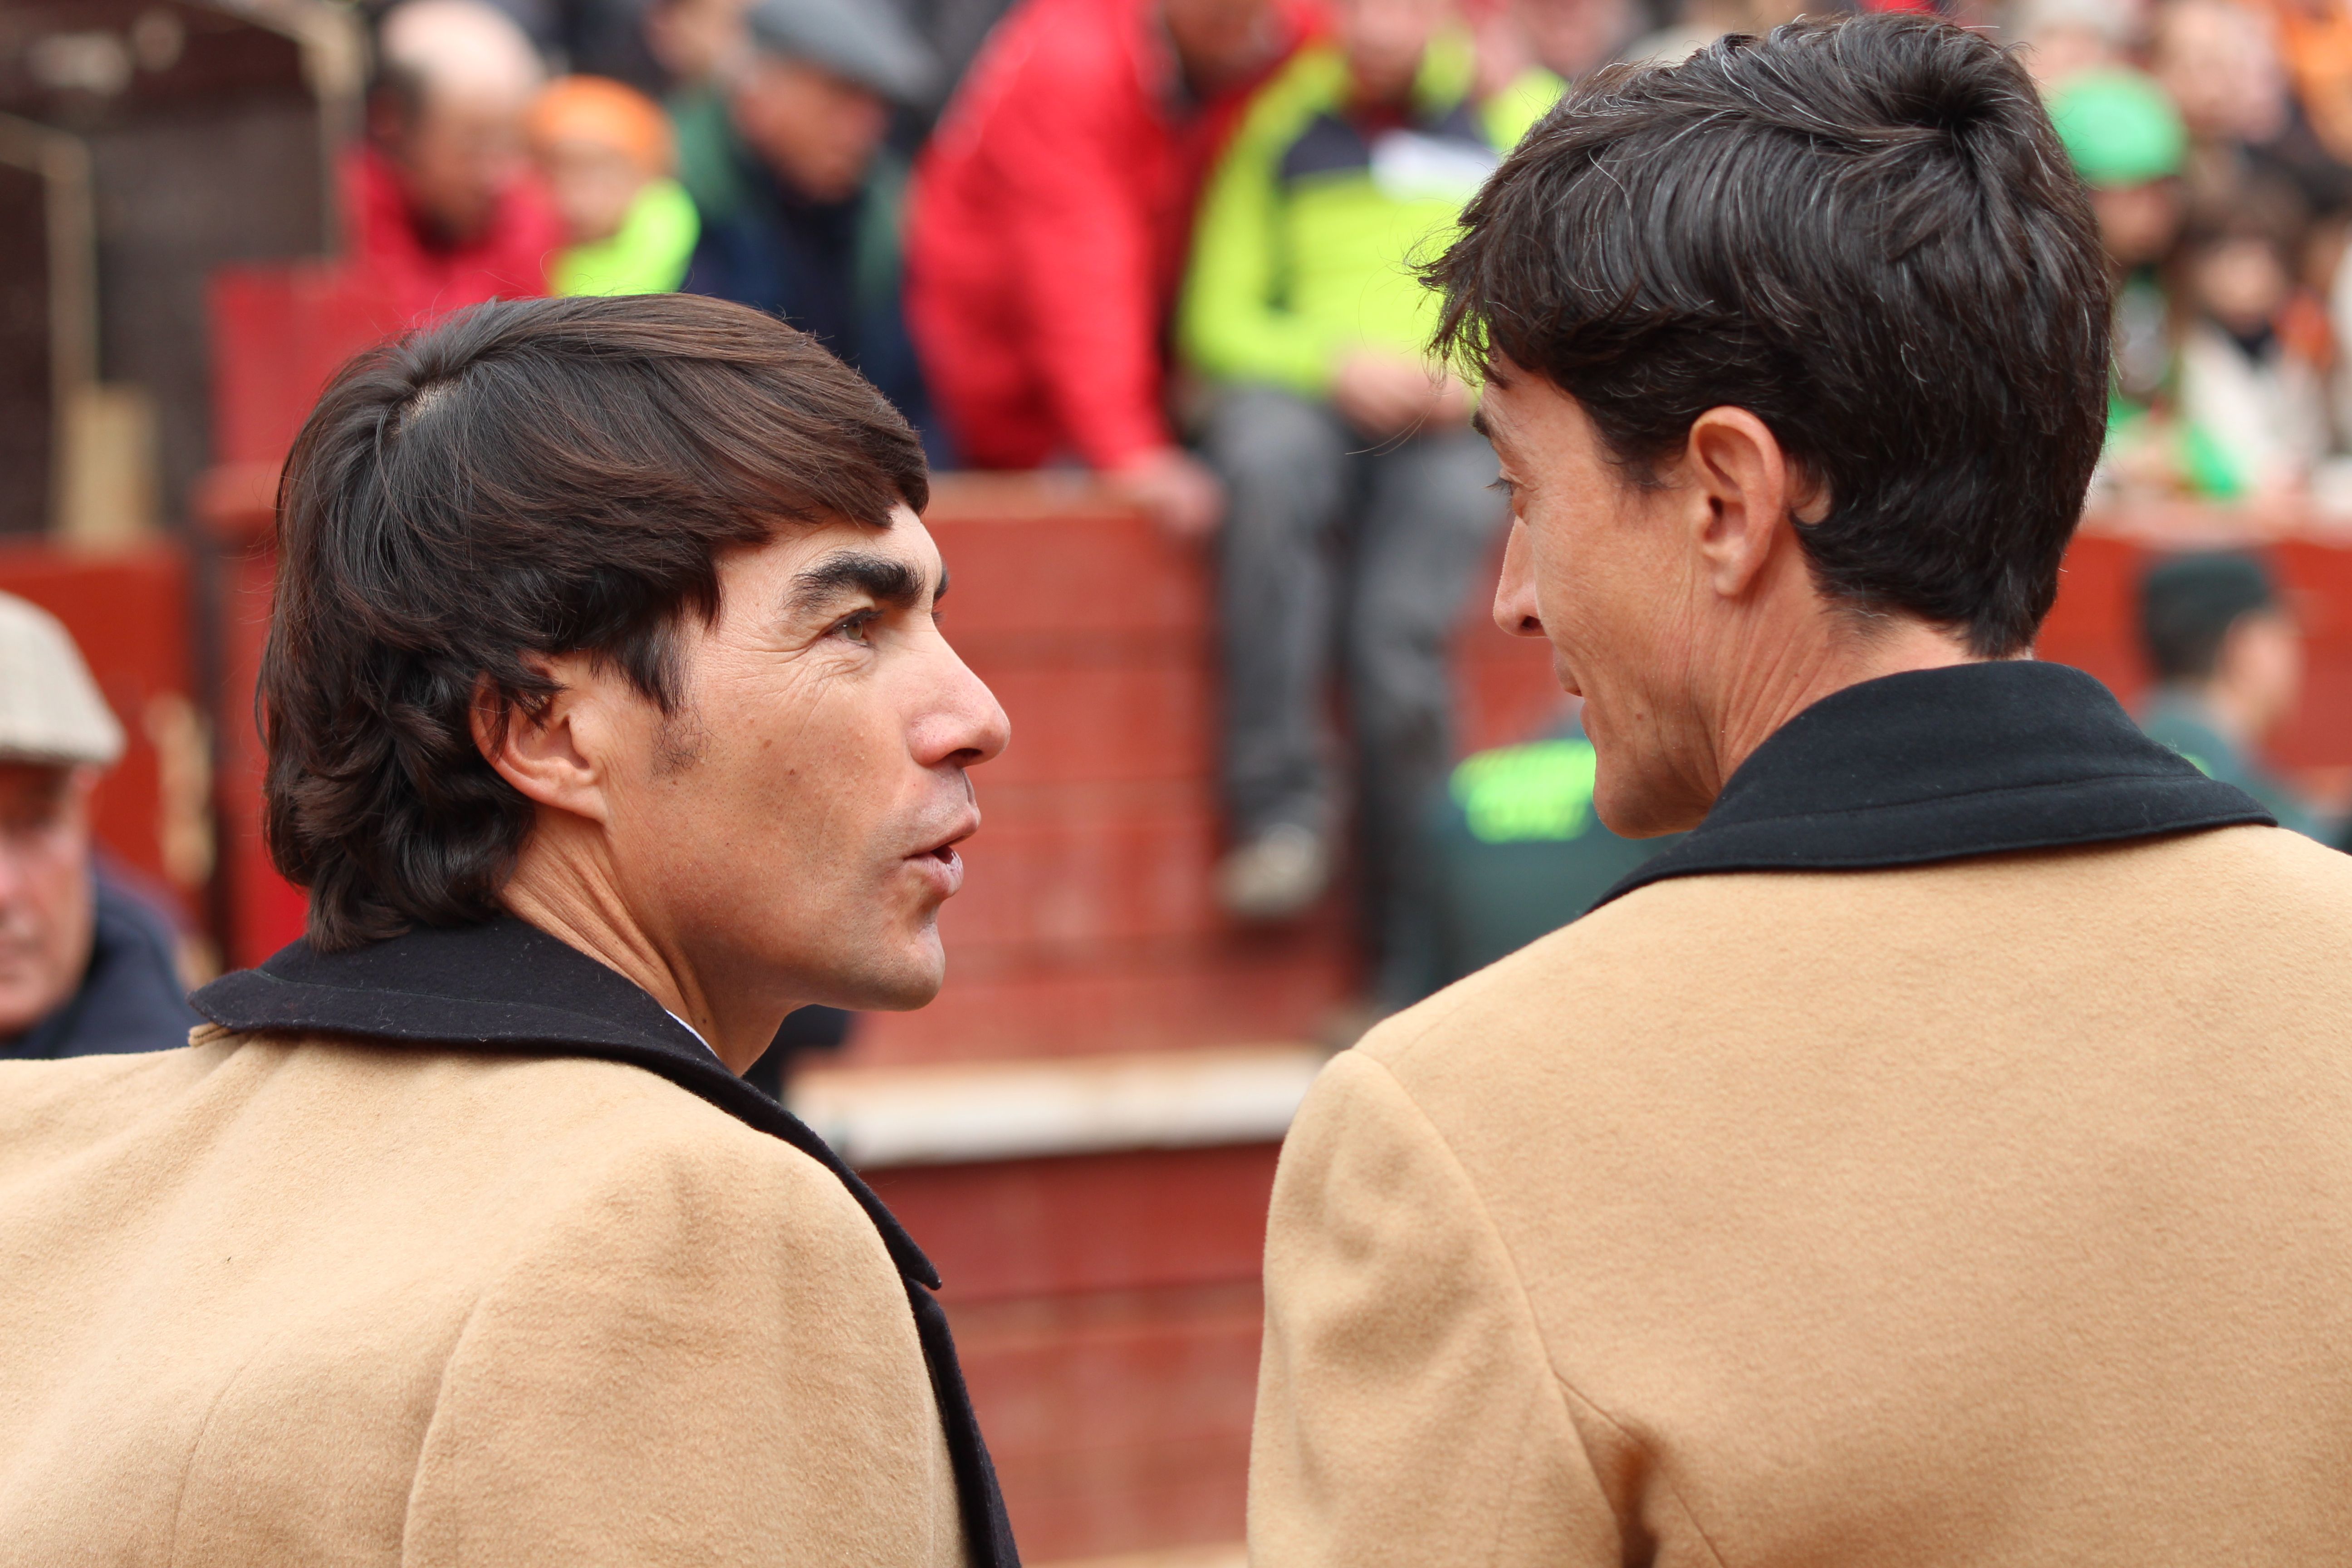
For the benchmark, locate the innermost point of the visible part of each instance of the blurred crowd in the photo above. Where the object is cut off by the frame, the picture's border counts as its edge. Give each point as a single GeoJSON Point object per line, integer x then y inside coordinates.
{"type": "Point", "coordinates": [2216, 139]}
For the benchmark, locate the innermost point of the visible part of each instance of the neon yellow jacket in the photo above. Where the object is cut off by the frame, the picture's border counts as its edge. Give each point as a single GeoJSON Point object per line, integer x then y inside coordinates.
{"type": "Point", "coordinates": [648, 257]}
{"type": "Point", "coordinates": [1308, 228]}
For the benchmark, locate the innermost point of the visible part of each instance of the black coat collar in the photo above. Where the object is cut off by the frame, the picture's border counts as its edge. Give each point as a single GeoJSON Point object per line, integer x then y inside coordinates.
{"type": "Point", "coordinates": [1941, 764]}
{"type": "Point", "coordinates": [508, 987]}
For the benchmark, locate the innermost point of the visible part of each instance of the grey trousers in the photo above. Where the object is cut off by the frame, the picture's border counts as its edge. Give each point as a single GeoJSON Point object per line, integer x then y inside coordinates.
{"type": "Point", "coordinates": [1334, 544]}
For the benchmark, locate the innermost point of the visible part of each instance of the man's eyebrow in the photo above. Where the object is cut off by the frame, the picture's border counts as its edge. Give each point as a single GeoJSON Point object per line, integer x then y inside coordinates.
{"type": "Point", "coordinates": [1478, 423]}
{"type": "Point", "coordinates": [885, 579]}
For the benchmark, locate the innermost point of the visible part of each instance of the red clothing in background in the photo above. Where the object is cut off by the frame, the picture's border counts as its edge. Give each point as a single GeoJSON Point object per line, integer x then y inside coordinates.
{"type": "Point", "coordinates": [420, 282]}
{"type": "Point", "coordinates": [1047, 231]}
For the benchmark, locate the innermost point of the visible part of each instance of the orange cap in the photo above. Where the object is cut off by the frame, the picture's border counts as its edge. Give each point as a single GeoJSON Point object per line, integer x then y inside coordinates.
{"type": "Point", "coordinates": [598, 109]}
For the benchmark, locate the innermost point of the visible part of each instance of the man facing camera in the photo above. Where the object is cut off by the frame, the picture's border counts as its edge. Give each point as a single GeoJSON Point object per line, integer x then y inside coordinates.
{"type": "Point", "coordinates": [608, 721]}
{"type": "Point", "coordinates": [1938, 1156]}
{"type": "Point", "coordinates": [87, 965]}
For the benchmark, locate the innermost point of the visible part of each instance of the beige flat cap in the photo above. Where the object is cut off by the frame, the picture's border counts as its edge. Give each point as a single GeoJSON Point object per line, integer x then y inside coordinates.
{"type": "Point", "coordinates": [50, 711]}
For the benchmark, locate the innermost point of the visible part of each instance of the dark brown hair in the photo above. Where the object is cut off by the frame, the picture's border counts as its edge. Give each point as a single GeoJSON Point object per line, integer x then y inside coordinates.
{"type": "Point", "coordinates": [1867, 233]}
{"type": "Point", "coordinates": [539, 477]}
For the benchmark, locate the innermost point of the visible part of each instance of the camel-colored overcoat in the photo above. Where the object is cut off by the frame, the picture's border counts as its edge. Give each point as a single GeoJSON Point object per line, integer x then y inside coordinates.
{"type": "Point", "coordinates": [1991, 1212]}
{"type": "Point", "coordinates": [272, 1301]}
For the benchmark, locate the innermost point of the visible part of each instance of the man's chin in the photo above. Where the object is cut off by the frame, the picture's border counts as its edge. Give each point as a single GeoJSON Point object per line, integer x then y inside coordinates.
{"type": "Point", "coordinates": [897, 982]}
{"type": "Point", "coordinates": [1632, 805]}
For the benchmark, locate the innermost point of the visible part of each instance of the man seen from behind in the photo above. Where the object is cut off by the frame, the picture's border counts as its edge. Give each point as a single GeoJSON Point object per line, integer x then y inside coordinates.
{"type": "Point", "coordinates": [1938, 1156]}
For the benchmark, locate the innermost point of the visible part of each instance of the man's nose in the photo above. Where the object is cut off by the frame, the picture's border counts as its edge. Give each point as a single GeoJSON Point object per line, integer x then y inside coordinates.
{"type": "Point", "coordinates": [969, 726]}
{"type": "Point", "coordinates": [1515, 590]}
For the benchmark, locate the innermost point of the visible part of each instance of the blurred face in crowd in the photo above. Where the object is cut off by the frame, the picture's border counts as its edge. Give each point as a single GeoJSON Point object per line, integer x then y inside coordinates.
{"type": "Point", "coordinates": [593, 182]}
{"type": "Point", "coordinates": [1219, 42]}
{"type": "Point", "coordinates": [694, 40]}
{"type": "Point", "coordinates": [1573, 37]}
{"type": "Point", "coordinates": [457, 153]}
{"type": "Point", "coordinates": [786, 833]}
{"type": "Point", "coordinates": [2138, 223]}
{"type": "Point", "coordinates": [1384, 41]}
{"type": "Point", "coordinates": [2220, 63]}
{"type": "Point", "coordinates": [45, 889]}
{"type": "Point", "coordinates": [2057, 50]}
{"type": "Point", "coordinates": [2240, 282]}
{"type": "Point", "coordinates": [2259, 675]}
{"type": "Point", "coordinates": [816, 131]}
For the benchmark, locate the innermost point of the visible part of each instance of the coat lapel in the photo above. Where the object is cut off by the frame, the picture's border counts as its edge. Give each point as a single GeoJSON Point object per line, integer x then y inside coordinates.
{"type": "Point", "coordinates": [1993, 758]}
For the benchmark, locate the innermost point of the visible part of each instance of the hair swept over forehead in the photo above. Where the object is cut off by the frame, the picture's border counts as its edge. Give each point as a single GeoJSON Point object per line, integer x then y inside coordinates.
{"type": "Point", "coordinates": [529, 479]}
{"type": "Point", "coordinates": [1866, 232]}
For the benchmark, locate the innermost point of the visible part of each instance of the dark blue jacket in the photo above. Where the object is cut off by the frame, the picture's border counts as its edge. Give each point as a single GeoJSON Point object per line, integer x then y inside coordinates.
{"type": "Point", "coordinates": [131, 998]}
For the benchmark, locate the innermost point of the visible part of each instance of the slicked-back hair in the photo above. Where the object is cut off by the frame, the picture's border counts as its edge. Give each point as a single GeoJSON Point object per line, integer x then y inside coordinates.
{"type": "Point", "coordinates": [529, 479]}
{"type": "Point", "coordinates": [1864, 232]}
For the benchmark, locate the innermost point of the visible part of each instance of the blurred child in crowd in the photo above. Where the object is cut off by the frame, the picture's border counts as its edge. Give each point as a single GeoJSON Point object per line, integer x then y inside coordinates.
{"type": "Point", "coordinates": [2253, 396]}
{"type": "Point", "coordinates": [606, 153]}
{"type": "Point", "coordinates": [2228, 659]}
{"type": "Point", "coordinates": [1052, 215]}
{"type": "Point", "coordinates": [444, 209]}
{"type": "Point", "coordinates": [1361, 501]}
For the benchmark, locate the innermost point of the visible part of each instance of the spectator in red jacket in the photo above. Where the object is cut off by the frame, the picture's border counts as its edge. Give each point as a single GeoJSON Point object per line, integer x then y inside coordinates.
{"type": "Point", "coordinates": [444, 210]}
{"type": "Point", "coordinates": [1049, 224]}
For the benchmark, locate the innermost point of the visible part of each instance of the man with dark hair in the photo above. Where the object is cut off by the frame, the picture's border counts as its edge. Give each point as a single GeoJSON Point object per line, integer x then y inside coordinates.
{"type": "Point", "coordinates": [1935, 1157]}
{"type": "Point", "coordinates": [2229, 666]}
{"type": "Point", "coordinates": [608, 721]}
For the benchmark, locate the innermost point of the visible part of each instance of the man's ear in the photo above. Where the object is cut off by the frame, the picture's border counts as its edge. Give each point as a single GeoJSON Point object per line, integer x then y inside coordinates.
{"type": "Point", "coordinates": [1748, 487]}
{"type": "Point", "coordinates": [558, 756]}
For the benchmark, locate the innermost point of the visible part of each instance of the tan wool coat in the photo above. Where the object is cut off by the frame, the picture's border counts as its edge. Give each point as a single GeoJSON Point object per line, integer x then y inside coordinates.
{"type": "Point", "coordinates": [1990, 1212]}
{"type": "Point", "coordinates": [295, 1301]}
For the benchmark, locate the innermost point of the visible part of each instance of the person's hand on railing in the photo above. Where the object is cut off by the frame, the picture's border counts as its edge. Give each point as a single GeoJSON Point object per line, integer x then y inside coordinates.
{"type": "Point", "coordinates": [1175, 489]}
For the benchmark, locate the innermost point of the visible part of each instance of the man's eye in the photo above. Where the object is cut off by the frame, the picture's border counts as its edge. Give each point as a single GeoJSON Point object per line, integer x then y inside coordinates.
{"type": "Point", "coordinates": [857, 627]}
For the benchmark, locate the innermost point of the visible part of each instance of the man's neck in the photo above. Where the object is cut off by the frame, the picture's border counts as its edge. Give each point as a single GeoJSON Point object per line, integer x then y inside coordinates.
{"type": "Point", "coordinates": [1790, 675]}
{"type": "Point", "coordinates": [570, 898]}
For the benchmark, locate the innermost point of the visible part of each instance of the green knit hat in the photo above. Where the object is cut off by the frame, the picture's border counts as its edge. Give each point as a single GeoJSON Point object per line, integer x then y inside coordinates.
{"type": "Point", "coordinates": [2119, 127]}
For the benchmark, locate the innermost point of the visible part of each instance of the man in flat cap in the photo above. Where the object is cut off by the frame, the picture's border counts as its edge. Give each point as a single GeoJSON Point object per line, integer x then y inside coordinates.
{"type": "Point", "coordinates": [1939, 1156]}
{"type": "Point", "coordinates": [799, 196]}
{"type": "Point", "coordinates": [87, 965]}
